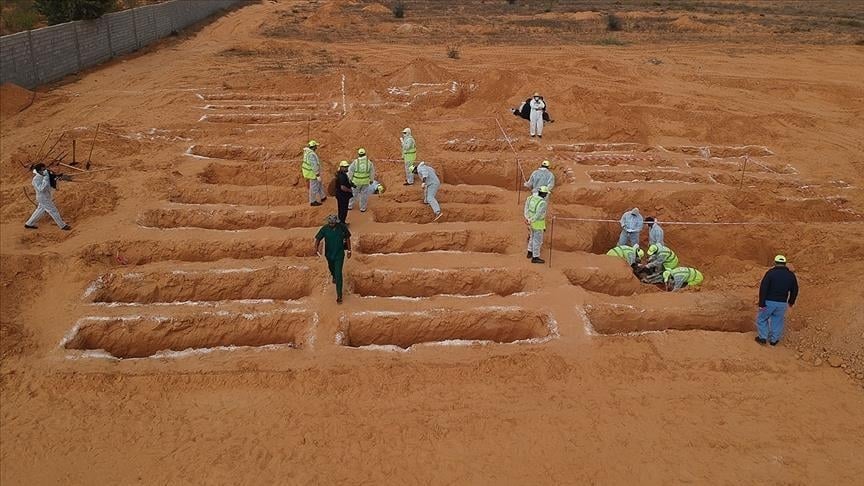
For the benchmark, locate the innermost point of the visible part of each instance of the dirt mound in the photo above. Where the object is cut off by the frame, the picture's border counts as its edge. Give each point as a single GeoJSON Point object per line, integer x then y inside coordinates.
{"type": "Point", "coordinates": [77, 201]}
{"type": "Point", "coordinates": [427, 283]}
{"type": "Point", "coordinates": [419, 70]}
{"type": "Point", "coordinates": [141, 252]}
{"type": "Point", "coordinates": [14, 99]}
{"type": "Point", "coordinates": [376, 8]}
{"type": "Point", "coordinates": [21, 276]}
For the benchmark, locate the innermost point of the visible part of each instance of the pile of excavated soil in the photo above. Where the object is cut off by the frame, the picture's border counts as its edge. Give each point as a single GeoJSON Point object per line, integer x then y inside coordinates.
{"type": "Point", "coordinates": [14, 99]}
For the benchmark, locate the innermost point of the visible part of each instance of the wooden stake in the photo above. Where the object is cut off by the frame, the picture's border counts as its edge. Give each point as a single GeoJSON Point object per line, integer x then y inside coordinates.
{"type": "Point", "coordinates": [92, 144]}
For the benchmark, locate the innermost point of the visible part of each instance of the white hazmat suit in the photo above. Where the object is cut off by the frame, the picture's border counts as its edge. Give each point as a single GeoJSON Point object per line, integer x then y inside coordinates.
{"type": "Point", "coordinates": [536, 120]}
{"type": "Point", "coordinates": [44, 200]}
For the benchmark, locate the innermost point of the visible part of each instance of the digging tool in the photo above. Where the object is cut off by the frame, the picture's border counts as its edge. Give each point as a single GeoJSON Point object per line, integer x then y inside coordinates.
{"type": "Point", "coordinates": [92, 144]}
{"type": "Point", "coordinates": [43, 144]}
{"type": "Point", "coordinates": [73, 168]}
{"type": "Point", "coordinates": [45, 157]}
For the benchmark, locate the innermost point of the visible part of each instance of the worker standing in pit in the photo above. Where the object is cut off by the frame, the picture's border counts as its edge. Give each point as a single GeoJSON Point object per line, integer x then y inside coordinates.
{"type": "Point", "coordinates": [361, 172]}
{"type": "Point", "coordinates": [535, 218]}
{"type": "Point", "coordinates": [343, 191]}
{"type": "Point", "coordinates": [681, 277]}
{"type": "Point", "coordinates": [631, 227]}
{"type": "Point", "coordinates": [655, 232]}
{"type": "Point", "coordinates": [337, 243]}
{"type": "Point", "coordinates": [537, 107]}
{"type": "Point", "coordinates": [777, 293]}
{"type": "Point", "coordinates": [431, 183]}
{"type": "Point", "coordinates": [311, 169]}
{"type": "Point", "coordinates": [409, 155]}
{"type": "Point", "coordinates": [541, 177]}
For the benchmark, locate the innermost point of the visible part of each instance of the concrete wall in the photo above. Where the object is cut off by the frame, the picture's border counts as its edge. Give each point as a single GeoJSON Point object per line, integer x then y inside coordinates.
{"type": "Point", "coordinates": [43, 55]}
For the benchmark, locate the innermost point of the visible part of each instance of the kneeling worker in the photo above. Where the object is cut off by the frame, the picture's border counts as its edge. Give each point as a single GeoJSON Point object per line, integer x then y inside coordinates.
{"type": "Point", "coordinates": [630, 254]}
{"type": "Point", "coordinates": [681, 277]}
{"type": "Point", "coordinates": [535, 218]}
{"type": "Point", "coordinates": [660, 259]}
{"type": "Point", "coordinates": [431, 183]}
{"type": "Point", "coordinates": [337, 241]}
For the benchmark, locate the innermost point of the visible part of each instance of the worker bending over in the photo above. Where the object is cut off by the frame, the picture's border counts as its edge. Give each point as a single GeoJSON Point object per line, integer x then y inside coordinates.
{"type": "Point", "coordinates": [535, 218]}
{"type": "Point", "coordinates": [660, 259]}
{"type": "Point", "coordinates": [630, 254]}
{"type": "Point", "coordinates": [361, 172]}
{"type": "Point", "coordinates": [541, 177]}
{"type": "Point", "coordinates": [681, 277]}
{"type": "Point", "coordinates": [431, 183]}
{"type": "Point", "coordinates": [311, 169]}
{"type": "Point", "coordinates": [409, 154]}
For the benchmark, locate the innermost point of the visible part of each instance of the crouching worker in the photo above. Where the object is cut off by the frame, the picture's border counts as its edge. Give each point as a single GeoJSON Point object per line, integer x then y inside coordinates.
{"type": "Point", "coordinates": [337, 242]}
{"type": "Point", "coordinates": [45, 182]}
{"type": "Point", "coordinates": [431, 183]}
{"type": "Point", "coordinates": [630, 254]}
{"type": "Point", "coordinates": [660, 259]}
{"type": "Point", "coordinates": [681, 277]}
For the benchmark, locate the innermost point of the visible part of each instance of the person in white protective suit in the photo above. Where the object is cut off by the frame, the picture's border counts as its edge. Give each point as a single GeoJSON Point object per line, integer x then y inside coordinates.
{"type": "Point", "coordinates": [631, 227]}
{"type": "Point", "coordinates": [541, 177]}
{"type": "Point", "coordinates": [536, 122]}
{"type": "Point", "coordinates": [655, 232]}
{"type": "Point", "coordinates": [431, 183]}
{"type": "Point", "coordinates": [361, 173]}
{"type": "Point", "coordinates": [44, 198]}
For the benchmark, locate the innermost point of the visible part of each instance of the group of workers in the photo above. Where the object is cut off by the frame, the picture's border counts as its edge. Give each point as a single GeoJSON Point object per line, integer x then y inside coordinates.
{"type": "Point", "coordinates": [662, 265]}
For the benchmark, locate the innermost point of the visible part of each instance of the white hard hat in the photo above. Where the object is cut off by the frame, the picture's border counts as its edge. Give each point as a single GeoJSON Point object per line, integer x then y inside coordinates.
{"type": "Point", "coordinates": [407, 130]}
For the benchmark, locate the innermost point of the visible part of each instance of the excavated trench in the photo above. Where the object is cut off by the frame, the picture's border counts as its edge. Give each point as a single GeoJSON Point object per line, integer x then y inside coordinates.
{"type": "Point", "coordinates": [500, 173]}
{"type": "Point", "coordinates": [737, 165]}
{"type": "Point", "coordinates": [278, 283]}
{"type": "Point", "coordinates": [256, 96]}
{"type": "Point", "coordinates": [253, 174]}
{"type": "Point", "coordinates": [405, 329]}
{"type": "Point", "coordinates": [483, 145]}
{"type": "Point", "coordinates": [231, 219]}
{"type": "Point", "coordinates": [426, 241]}
{"type": "Point", "coordinates": [647, 176]}
{"type": "Point", "coordinates": [140, 252]}
{"type": "Point", "coordinates": [683, 312]}
{"type": "Point", "coordinates": [268, 118]}
{"type": "Point", "coordinates": [240, 152]}
{"type": "Point", "coordinates": [140, 337]}
{"type": "Point", "coordinates": [423, 214]}
{"type": "Point", "coordinates": [599, 147]}
{"type": "Point", "coordinates": [448, 194]}
{"type": "Point", "coordinates": [240, 195]}
{"type": "Point", "coordinates": [613, 279]}
{"type": "Point", "coordinates": [721, 151]}
{"type": "Point", "coordinates": [638, 160]}
{"type": "Point", "coordinates": [270, 107]}
{"type": "Point", "coordinates": [428, 283]}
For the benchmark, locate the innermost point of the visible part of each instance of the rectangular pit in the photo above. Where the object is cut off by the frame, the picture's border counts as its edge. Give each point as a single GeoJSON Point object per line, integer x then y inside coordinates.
{"type": "Point", "coordinates": [276, 283]}
{"type": "Point", "coordinates": [428, 283]}
{"type": "Point", "coordinates": [647, 176]}
{"type": "Point", "coordinates": [253, 174]}
{"type": "Point", "coordinates": [239, 152]}
{"type": "Point", "coordinates": [231, 219]}
{"type": "Point", "coordinates": [681, 312]}
{"type": "Point", "coordinates": [268, 118]}
{"type": "Point", "coordinates": [448, 194]}
{"type": "Point", "coordinates": [598, 147]}
{"type": "Point", "coordinates": [406, 329]}
{"type": "Point", "coordinates": [257, 96]}
{"type": "Point", "coordinates": [140, 252]}
{"type": "Point", "coordinates": [275, 195]}
{"type": "Point", "coordinates": [638, 160]}
{"type": "Point", "coordinates": [142, 336]}
{"type": "Point", "coordinates": [423, 214]}
{"type": "Point", "coordinates": [427, 241]}
{"type": "Point", "coordinates": [497, 173]}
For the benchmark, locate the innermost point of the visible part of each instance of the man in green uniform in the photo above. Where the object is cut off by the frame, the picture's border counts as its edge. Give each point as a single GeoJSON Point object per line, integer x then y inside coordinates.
{"type": "Point", "coordinates": [337, 241]}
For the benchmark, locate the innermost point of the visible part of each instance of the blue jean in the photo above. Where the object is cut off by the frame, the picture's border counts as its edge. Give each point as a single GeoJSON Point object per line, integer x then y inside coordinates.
{"type": "Point", "coordinates": [769, 322]}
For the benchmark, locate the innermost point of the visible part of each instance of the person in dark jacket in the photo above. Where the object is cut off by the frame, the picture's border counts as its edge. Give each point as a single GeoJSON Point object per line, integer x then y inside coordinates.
{"type": "Point", "coordinates": [343, 191]}
{"type": "Point", "coordinates": [777, 292]}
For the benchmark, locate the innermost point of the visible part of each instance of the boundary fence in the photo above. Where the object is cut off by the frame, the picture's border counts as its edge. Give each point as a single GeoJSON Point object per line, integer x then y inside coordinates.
{"type": "Point", "coordinates": [40, 56]}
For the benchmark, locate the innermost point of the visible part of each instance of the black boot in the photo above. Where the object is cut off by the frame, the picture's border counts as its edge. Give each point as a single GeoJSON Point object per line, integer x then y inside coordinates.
{"type": "Point", "coordinates": [530, 255]}
{"type": "Point", "coordinates": [537, 260]}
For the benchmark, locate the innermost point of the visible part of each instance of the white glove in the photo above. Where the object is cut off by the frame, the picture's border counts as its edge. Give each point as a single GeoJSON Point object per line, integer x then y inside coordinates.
{"type": "Point", "coordinates": [318, 178]}
{"type": "Point", "coordinates": [423, 185]}
{"type": "Point", "coordinates": [36, 172]}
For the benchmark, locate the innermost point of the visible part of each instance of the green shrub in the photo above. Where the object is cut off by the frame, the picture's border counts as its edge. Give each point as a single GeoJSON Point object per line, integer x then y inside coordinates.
{"type": "Point", "coordinates": [59, 11]}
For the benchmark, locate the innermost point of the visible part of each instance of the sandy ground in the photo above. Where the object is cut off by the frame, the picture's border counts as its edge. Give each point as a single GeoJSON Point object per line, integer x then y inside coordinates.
{"type": "Point", "coordinates": [453, 359]}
